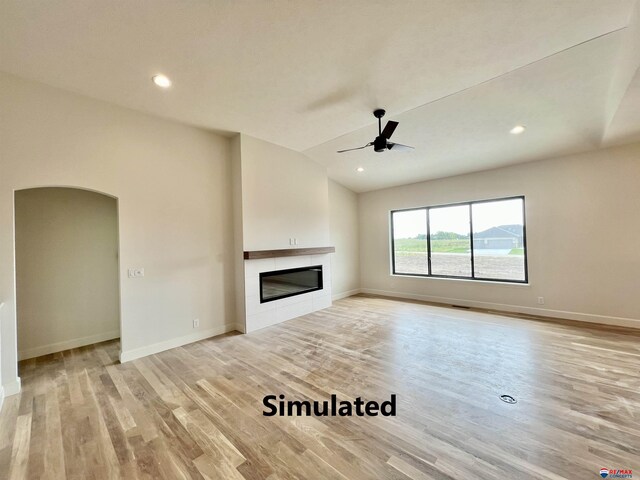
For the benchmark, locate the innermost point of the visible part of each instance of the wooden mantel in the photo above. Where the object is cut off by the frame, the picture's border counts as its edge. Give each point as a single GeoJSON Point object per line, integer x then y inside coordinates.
{"type": "Point", "coordinates": [287, 252]}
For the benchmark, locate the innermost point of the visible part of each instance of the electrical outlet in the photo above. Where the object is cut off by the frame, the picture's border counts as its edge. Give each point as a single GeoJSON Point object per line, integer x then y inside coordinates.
{"type": "Point", "coordinates": [196, 322]}
{"type": "Point", "coordinates": [540, 300]}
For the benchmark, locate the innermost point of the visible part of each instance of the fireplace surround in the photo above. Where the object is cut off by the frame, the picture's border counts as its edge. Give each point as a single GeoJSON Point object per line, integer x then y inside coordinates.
{"type": "Point", "coordinates": [257, 314]}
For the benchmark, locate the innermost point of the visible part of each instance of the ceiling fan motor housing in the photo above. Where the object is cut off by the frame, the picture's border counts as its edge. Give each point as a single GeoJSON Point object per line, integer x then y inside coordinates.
{"type": "Point", "coordinates": [380, 144]}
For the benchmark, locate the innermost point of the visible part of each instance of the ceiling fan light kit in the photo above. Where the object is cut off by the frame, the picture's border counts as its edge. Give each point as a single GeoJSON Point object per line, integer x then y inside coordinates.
{"type": "Point", "coordinates": [381, 142]}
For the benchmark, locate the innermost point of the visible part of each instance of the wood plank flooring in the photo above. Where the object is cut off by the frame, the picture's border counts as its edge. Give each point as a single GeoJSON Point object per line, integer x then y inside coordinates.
{"type": "Point", "coordinates": [196, 411]}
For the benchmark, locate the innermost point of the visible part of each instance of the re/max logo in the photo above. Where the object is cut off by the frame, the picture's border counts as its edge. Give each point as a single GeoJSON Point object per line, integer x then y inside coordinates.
{"type": "Point", "coordinates": [327, 408]}
{"type": "Point", "coordinates": [616, 473]}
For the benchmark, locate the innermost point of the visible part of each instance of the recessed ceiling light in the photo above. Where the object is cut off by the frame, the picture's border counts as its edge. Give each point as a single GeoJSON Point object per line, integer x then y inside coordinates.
{"type": "Point", "coordinates": [517, 130]}
{"type": "Point", "coordinates": [161, 80]}
{"type": "Point", "coordinates": [359, 169]}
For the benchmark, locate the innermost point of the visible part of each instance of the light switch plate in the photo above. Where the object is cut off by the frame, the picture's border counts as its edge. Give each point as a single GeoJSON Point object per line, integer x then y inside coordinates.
{"type": "Point", "coordinates": [135, 272]}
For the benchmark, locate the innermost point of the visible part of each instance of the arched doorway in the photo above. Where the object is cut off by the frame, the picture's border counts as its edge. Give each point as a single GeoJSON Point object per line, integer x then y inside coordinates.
{"type": "Point", "coordinates": [67, 269]}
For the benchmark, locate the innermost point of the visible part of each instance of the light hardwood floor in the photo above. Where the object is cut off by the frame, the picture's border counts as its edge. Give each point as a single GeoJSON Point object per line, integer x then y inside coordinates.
{"type": "Point", "coordinates": [196, 411]}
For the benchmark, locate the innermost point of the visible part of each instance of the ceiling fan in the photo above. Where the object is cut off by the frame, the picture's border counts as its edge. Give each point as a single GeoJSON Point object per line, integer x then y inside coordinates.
{"type": "Point", "coordinates": [381, 142]}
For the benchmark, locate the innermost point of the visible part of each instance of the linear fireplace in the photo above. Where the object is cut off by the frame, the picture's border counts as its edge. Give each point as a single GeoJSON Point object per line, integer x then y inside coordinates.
{"type": "Point", "coordinates": [287, 283]}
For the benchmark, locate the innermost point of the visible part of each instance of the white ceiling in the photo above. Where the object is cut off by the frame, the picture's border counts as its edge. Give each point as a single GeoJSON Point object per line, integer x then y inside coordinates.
{"type": "Point", "coordinates": [561, 100]}
{"type": "Point", "coordinates": [306, 74]}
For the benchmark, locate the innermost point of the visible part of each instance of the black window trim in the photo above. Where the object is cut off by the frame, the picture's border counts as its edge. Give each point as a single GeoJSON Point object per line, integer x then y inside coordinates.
{"type": "Point", "coordinates": [458, 277]}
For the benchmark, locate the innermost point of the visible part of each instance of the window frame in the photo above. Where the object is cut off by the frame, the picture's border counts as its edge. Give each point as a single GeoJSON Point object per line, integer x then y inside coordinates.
{"type": "Point", "coordinates": [457, 277]}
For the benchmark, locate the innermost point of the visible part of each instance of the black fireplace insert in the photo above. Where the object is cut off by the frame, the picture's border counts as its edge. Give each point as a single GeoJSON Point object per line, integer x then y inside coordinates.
{"type": "Point", "coordinates": [287, 283]}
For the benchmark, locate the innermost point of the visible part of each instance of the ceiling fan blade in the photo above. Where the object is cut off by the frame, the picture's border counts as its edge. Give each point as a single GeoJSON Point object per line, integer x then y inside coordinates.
{"type": "Point", "coordinates": [357, 148]}
{"type": "Point", "coordinates": [398, 147]}
{"type": "Point", "coordinates": [389, 128]}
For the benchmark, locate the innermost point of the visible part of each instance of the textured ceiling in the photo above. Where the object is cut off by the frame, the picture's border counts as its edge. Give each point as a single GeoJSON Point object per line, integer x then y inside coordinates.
{"type": "Point", "coordinates": [307, 74]}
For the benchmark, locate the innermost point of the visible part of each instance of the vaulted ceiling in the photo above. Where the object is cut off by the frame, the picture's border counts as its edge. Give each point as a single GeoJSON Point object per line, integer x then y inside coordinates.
{"type": "Point", "coordinates": [306, 74]}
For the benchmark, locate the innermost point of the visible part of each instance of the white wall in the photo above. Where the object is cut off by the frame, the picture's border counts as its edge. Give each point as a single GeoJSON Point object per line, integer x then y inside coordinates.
{"type": "Point", "coordinates": [343, 225]}
{"type": "Point", "coordinates": [583, 228]}
{"type": "Point", "coordinates": [173, 187]}
{"type": "Point", "coordinates": [67, 287]}
{"type": "Point", "coordinates": [284, 195]}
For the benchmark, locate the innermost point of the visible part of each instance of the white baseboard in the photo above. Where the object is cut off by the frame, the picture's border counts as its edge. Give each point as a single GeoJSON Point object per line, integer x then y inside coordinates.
{"type": "Point", "coordinates": [1, 397]}
{"type": "Point", "coordinates": [349, 293]}
{"type": "Point", "coordinates": [66, 345]}
{"type": "Point", "coordinates": [174, 342]}
{"type": "Point", "coordinates": [542, 312]}
{"type": "Point", "coordinates": [12, 388]}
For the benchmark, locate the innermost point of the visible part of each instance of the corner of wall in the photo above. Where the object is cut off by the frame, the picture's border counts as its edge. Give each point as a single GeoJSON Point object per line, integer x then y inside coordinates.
{"type": "Point", "coordinates": [238, 232]}
{"type": "Point", "coordinates": [348, 293]}
{"type": "Point", "coordinates": [360, 241]}
{"type": "Point", "coordinates": [344, 234]}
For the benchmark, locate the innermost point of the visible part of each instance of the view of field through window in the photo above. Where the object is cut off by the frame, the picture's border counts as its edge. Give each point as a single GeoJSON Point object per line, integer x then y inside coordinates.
{"type": "Point", "coordinates": [444, 236]}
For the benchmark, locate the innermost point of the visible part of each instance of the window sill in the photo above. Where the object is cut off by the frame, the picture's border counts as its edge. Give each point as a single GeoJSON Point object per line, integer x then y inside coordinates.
{"type": "Point", "coordinates": [467, 280]}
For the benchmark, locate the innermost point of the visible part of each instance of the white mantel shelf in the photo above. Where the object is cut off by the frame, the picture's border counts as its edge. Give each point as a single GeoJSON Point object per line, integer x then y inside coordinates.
{"type": "Point", "coordinates": [287, 252]}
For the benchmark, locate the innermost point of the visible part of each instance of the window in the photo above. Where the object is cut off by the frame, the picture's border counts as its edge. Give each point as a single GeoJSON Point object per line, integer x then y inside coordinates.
{"type": "Point", "coordinates": [410, 241]}
{"type": "Point", "coordinates": [450, 241]}
{"type": "Point", "coordinates": [483, 240]}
